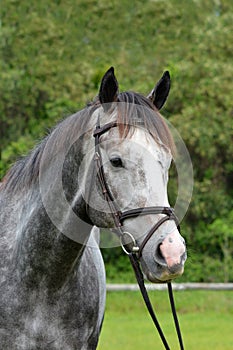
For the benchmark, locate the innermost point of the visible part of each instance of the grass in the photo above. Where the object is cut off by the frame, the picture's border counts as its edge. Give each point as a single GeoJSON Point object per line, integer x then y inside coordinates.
{"type": "Point", "coordinates": [206, 320]}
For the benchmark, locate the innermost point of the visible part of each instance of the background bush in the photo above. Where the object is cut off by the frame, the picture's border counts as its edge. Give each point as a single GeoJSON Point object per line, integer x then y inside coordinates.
{"type": "Point", "coordinates": [53, 55]}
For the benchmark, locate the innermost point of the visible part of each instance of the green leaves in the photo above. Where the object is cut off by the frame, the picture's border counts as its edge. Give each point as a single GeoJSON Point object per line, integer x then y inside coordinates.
{"type": "Point", "coordinates": [53, 55]}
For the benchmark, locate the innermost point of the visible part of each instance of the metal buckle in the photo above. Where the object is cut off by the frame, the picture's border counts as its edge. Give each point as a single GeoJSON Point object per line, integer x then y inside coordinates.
{"type": "Point", "coordinates": [135, 247]}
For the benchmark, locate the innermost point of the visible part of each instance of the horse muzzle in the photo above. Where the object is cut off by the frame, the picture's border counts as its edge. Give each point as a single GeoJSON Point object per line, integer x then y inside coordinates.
{"type": "Point", "coordinates": [168, 260]}
{"type": "Point", "coordinates": [173, 250]}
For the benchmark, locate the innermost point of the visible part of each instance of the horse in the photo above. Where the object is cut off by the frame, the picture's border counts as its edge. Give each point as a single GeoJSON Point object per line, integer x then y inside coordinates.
{"type": "Point", "coordinates": [53, 202]}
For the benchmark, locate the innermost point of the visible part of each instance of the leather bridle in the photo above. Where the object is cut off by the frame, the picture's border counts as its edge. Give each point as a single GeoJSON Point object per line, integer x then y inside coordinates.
{"type": "Point", "coordinates": [132, 249]}
{"type": "Point", "coordinates": [117, 214]}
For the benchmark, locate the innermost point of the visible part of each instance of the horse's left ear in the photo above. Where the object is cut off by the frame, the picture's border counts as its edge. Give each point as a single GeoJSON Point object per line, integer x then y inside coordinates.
{"type": "Point", "coordinates": [109, 87]}
{"type": "Point", "coordinates": [161, 90]}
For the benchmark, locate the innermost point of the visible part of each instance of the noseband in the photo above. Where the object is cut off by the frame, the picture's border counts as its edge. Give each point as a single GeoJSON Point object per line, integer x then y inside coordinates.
{"type": "Point", "coordinates": [132, 249]}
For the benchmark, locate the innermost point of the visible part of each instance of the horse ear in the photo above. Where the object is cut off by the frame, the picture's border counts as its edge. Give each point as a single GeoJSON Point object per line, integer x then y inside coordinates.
{"type": "Point", "coordinates": [109, 87]}
{"type": "Point", "coordinates": [161, 90]}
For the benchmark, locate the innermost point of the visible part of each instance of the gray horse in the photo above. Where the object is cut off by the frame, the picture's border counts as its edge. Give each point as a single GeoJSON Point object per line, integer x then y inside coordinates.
{"type": "Point", "coordinates": [52, 277]}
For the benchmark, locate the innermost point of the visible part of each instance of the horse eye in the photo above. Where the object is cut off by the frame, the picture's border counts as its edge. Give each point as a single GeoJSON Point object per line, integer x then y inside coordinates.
{"type": "Point", "coordinates": [116, 162]}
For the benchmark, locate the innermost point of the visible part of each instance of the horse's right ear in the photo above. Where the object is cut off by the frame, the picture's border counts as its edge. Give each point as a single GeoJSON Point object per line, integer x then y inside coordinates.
{"type": "Point", "coordinates": [108, 88]}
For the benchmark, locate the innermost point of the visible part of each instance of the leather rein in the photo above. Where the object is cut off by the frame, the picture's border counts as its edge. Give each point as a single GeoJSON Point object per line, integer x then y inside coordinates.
{"type": "Point", "coordinates": [134, 251]}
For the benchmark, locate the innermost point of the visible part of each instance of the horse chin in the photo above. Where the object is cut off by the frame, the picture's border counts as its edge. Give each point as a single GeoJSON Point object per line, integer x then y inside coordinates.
{"type": "Point", "coordinates": [163, 276]}
{"type": "Point", "coordinates": [152, 278]}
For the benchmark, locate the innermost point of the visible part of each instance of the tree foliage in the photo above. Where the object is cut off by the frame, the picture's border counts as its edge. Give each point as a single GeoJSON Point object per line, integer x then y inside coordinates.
{"type": "Point", "coordinates": [53, 55]}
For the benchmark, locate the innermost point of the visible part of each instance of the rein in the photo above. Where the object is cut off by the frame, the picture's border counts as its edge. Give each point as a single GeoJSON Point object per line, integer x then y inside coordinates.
{"type": "Point", "coordinates": [135, 252]}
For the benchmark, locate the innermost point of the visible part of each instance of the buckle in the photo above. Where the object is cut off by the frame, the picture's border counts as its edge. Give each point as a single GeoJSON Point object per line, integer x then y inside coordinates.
{"type": "Point", "coordinates": [127, 239]}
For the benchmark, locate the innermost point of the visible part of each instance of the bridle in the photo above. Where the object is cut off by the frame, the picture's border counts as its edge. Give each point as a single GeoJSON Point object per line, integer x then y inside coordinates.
{"type": "Point", "coordinates": [133, 250]}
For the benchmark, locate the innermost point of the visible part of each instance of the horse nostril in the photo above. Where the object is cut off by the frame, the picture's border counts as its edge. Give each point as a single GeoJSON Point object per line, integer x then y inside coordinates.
{"type": "Point", "coordinates": [159, 258]}
{"type": "Point", "coordinates": [159, 251]}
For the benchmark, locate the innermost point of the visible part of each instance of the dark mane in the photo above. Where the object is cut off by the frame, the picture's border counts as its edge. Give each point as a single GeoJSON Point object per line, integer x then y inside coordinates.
{"type": "Point", "coordinates": [25, 171]}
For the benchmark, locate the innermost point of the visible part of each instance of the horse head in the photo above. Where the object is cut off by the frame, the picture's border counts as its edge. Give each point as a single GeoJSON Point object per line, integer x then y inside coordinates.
{"type": "Point", "coordinates": [133, 152]}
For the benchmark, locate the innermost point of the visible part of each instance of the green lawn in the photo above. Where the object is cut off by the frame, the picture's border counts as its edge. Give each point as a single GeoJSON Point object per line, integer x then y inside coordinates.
{"type": "Point", "coordinates": [206, 320]}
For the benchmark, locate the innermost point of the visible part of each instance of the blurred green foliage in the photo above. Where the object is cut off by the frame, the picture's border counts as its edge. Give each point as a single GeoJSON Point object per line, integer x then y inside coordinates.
{"type": "Point", "coordinates": [53, 55]}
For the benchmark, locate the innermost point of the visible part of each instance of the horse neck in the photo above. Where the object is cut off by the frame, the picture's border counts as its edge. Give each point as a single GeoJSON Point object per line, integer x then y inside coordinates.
{"type": "Point", "coordinates": [41, 253]}
{"type": "Point", "coordinates": [42, 217]}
